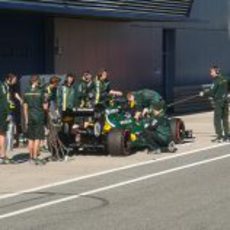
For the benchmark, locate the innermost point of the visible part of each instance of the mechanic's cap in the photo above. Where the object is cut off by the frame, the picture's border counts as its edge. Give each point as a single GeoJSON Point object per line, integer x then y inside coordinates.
{"type": "Point", "coordinates": [54, 80]}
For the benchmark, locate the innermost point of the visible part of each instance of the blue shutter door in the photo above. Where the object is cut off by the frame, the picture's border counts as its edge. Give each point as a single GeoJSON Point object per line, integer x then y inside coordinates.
{"type": "Point", "coordinates": [21, 44]}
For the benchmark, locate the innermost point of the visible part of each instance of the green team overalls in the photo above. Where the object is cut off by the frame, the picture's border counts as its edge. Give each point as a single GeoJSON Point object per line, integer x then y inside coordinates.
{"type": "Point", "coordinates": [51, 97]}
{"type": "Point", "coordinates": [147, 99]}
{"type": "Point", "coordinates": [102, 91]}
{"type": "Point", "coordinates": [86, 93]}
{"type": "Point", "coordinates": [219, 93]}
{"type": "Point", "coordinates": [4, 107]}
{"type": "Point", "coordinates": [35, 98]}
{"type": "Point", "coordinates": [51, 93]}
{"type": "Point", "coordinates": [154, 132]}
{"type": "Point", "coordinates": [67, 98]}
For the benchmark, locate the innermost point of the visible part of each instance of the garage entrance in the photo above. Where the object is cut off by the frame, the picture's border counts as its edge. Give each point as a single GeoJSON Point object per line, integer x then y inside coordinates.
{"type": "Point", "coordinates": [23, 43]}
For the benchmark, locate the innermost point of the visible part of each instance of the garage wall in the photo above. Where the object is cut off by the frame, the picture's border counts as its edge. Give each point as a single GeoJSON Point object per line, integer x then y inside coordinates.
{"type": "Point", "coordinates": [204, 42]}
{"type": "Point", "coordinates": [131, 54]}
{"type": "Point", "coordinates": [22, 44]}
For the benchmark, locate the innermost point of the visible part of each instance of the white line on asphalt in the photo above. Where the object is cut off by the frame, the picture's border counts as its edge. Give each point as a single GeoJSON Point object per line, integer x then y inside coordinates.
{"type": "Point", "coordinates": [9, 195]}
{"type": "Point", "coordinates": [106, 188]}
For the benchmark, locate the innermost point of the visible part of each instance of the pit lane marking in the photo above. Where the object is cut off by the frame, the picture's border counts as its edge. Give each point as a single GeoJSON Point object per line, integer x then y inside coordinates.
{"type": "Point", "coordinates": [113, 186]}
{"type": "Point", "coordinates": [76, 179]}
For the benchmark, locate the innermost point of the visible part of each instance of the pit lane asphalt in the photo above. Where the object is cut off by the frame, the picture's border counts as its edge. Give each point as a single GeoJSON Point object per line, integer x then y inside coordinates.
{"type": "Point", "coordinates": [188, 192]}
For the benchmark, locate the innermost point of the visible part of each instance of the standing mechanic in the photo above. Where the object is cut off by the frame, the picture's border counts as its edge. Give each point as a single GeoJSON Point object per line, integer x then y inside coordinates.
{"type": "Point", "coordinates": [86, 90]}
{"type": "Point", "coordinates": [51, 92]}
{"type": "Point", "coordinates": [4, 112]}
{"type": "Point", "coordinates": [103, 87]}
{"type": "Point", "coordinates": [219, 93]}
{"type": "Point", "coordinates": [34, 113]}
{"type": "Point", "coordinates": [14, 118]}
{"type": "Point", "coordinates": [67, 97]}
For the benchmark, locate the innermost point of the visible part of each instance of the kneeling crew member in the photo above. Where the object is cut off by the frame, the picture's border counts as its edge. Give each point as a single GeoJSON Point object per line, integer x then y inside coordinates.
{"type": "Point", "coordinates": [156, 133]}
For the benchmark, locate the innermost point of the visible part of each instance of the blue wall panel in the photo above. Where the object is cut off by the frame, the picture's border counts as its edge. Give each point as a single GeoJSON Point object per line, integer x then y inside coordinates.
{"type": "Point", "coordinates": [121, 9]}
{"type": "Point", "coordinates": [21, 44]}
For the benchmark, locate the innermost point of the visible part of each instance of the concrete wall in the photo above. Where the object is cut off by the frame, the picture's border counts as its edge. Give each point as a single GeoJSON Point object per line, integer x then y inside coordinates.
{"type": "Point", "coordinates": [131, 54]}
{"type": "Point", "coordinates": [204, 42]}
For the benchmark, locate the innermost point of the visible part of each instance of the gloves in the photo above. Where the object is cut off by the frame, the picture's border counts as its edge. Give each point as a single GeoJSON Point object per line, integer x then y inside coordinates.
{"type": "Point", "coordinates": [201, 93]}
{"type": "Point", "coordinates": [9, 118]}
{"type": "Point", "coordinates": [145, 112]}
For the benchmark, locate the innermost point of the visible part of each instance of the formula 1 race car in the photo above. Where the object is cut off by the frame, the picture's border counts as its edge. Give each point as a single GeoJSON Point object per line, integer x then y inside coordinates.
{"type": "Point", "coordinates": [106, 129]}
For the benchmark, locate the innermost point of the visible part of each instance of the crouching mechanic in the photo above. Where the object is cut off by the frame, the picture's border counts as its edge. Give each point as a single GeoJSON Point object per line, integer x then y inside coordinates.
{"type": "Point", "coordinates": [143, 101]}
{"type": "Point", "coordinates": [156, 132]}
{"type": "Point", "coordinates": [34, 113]}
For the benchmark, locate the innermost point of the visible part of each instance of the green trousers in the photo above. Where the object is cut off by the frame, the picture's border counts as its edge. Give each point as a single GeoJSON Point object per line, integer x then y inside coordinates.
{"type": "Point", "coordinates": [221, 123]}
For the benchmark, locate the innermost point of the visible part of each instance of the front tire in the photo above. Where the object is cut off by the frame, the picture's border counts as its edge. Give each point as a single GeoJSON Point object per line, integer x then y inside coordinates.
{"type": "Point", "coordinates": [117, 144]}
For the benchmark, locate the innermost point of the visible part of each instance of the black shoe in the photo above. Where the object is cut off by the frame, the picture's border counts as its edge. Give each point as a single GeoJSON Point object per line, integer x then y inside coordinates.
{"type": "Point", "coordinates": [217, 140]}
{"type": "Point", "coordinates": [226, 139]}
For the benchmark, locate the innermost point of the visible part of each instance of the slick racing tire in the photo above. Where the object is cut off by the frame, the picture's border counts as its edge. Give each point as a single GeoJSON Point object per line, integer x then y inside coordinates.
{"type": "Point", "coordinates": [116, 143]}
{"type": "Point", "coordinates": [177, 130]}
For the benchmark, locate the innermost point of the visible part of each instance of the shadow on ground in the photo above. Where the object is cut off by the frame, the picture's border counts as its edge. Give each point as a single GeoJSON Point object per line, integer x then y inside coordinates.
{"type": "Point", "coordinates": [20, 158]}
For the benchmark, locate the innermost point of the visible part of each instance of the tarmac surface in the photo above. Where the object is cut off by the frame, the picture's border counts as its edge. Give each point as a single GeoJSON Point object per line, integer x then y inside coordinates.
{"type": "Point", "coordinates": [188, 189]}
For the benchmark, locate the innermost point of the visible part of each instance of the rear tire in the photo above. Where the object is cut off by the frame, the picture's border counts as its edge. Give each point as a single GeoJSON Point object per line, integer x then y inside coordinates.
{"type": "Point", "coordinates": [117, 144]}
{"type": "Point", "coordinates": [177, 130]}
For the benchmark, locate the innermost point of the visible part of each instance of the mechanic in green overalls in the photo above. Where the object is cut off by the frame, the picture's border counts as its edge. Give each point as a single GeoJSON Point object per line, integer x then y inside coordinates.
{"type": "Point", "coordinates": [103, 87]}
{"type": "Point", "coordinates": [15, 115]}
{"type": "Point", "coordinates": [155, 132]}
{"type": "Point", "coordinates": [67, 98]}
{"type": "Point", "coordinates": [51, 92]}
{"type": "Point", "coordinates": [34, 114]}
{"type": "Point", "coordinates": [143, 101]}
{"type": "Point", "coordinates": [86, 90]}
{"type": "Point", "coordinates": [219, 93]}
{"type": "Point", "coordinates": [4, 112]}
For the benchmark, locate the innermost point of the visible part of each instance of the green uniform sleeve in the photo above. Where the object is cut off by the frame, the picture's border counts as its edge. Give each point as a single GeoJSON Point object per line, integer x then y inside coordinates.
{"type": "Point", "coordinates": [59, 97]}
{"type": "Point", "coordinates": [219, 89]}
{"type": "Point", "coordinates": [25, 98]}
{"type": "Point", "coordinates": [97, 90]}
{"type": "Point", "coordinates": [1, 91]}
